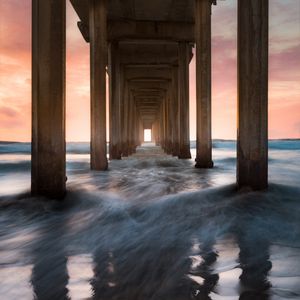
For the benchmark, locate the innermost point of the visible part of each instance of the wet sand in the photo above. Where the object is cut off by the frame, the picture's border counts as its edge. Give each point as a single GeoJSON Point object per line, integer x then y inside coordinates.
{"type": "Point", "coordinates": [153, 227]}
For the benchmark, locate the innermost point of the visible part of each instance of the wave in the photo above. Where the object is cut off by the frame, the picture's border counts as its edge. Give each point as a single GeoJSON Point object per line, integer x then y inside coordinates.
{"type": "Point", "coordinates": [215, 242]}
{"type": "Point", "coordinates": [84, 147]}
{"type": "Point", "coordinates": [152, 227]}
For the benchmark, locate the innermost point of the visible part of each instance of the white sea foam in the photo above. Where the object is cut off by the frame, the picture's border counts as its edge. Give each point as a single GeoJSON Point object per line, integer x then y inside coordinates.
{"type": "Point", "coordinates": [154, 228]}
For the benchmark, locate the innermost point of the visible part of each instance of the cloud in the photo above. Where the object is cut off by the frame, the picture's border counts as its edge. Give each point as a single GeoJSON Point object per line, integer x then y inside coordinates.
{"type": "Point", "coordinates": [15, 75]}
{"type": "Point", "coordinates": [8, 112]}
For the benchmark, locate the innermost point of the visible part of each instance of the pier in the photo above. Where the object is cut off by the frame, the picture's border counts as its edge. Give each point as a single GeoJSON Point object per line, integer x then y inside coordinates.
{"type": "Point", "coordinates": [145, 47]}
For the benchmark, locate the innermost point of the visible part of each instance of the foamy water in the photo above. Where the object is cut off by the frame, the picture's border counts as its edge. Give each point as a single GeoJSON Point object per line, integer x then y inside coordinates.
{"type": "Point", "coordinates": [152, 227]}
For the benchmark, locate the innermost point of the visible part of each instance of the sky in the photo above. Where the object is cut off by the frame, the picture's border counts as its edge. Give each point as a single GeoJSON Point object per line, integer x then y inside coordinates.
{"type": "Point", "coordinates": [284, 72]}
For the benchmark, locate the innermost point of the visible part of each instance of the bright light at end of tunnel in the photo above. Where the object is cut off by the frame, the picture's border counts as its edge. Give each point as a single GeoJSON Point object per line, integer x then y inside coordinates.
{"type": "Point", "coordinates": [147, 135]}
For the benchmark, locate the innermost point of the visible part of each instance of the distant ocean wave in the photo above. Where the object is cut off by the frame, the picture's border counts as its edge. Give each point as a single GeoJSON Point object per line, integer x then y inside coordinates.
{"type": "Point", "coordinates": [84, 147]}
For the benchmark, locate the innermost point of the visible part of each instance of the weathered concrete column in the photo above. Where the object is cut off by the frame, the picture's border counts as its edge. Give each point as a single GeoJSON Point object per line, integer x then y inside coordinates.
{"type": "Point", "coordinates": [122, 110]}
{"type": "Point", "coordinates": [114, 101]}
{"type": "Point", "coordinates": [156, 131]}
{"type": "Point", "coordinates": [167, 137]}
{"type": "Point", "coordinates": [203, 82]}
{"type": "Point", "coordinates": [162, 135]}
{"type": "Point", "coordinates": [98, 57]}
{"type": "Point", "coordinates": [141, 132]}
{"type": "Point", "coordinates": [130, 123]}
{"type": "Point", "coordinates": [175, 104]}
{"type": "Point", "coordinates": [136, 128]}
{"type": "Point", "coordinates": [126, 102]}
{"type": "Point", "coordinates": [170, 110]}
{"type": "Point", "coordinates": [183, 84]}
{"type": "Point", "coordinates": [164, 120]}
{"type": "Point", "coordinates": [252, 164]}
{"type": "Point", "coordinates": [48, 175]}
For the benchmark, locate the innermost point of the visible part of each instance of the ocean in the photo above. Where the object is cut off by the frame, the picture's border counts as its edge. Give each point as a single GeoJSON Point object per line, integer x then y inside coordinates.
{"type": "Point", "coordinates": [151, 227]}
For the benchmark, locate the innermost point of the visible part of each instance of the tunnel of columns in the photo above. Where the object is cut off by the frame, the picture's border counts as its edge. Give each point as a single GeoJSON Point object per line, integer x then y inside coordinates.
{"type": "Point", "coordinates": [145, 47]}
{"type": "Point", "coordinates": [144, 93]}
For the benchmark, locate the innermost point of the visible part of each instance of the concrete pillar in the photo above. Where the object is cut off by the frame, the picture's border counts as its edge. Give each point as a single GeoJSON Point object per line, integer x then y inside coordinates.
{"type": "Point", "coordinates": [203, 83]}
{"type": "Point", "coordinates": [48, 175]}
{"type": "Point", "coordinates": [98, 57]}
{"type": "Point", "coordinates": [161, 127]}
{"type": "Point", "coordinates": [122, 110]}
{"type": "Point", "coordinates": [252, 164]}
{"type": "Point", "coordinates": [156, 131]}
{"type": "Point", "coordinates": [164, 119]}
{"type": "Point", "coordinates": [130, 123]}
{"type": "Point", "coordinates": [136, 127]}
{"type": "Point", "coordinates": [125, 119]}
{"type": "Point", "coordinates": [141, 132]}
{"type": "Point", "coordinates": [183, 84]}
{"type": "Point", "coordinates": [169, 120]}
{"type": "Point", "coordinates": [114, 101]}
{"type": "Point", "coordinates": [175, 105]}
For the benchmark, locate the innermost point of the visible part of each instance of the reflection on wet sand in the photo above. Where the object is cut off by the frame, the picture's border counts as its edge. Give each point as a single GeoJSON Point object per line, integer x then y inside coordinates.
{"type": "Point", "coordinates": [254, 258]}
{"type": "Point", "coordinates": [202, 273]}
{"type": "Point", "coordinates": [49, 276]}
{"type": "Point", "coordinates": [150, 272]}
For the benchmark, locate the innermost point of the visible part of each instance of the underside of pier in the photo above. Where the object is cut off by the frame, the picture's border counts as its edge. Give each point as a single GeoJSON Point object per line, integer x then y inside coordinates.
{"type": "Point", "coordinates": [146, 47]}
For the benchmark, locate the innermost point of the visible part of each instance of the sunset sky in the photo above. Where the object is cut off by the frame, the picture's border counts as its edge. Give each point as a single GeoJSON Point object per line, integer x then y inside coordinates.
{"type": "Point", "coordinates": [284, 86]}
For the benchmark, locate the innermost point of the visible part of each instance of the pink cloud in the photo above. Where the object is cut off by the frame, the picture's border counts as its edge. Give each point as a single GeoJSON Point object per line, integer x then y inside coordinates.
{"type": "Point", "coordinates": [285, 65]}
{"type": "Point", "coordinates": [15, 76]}
{"type": "Point", "coordinates": [8, 112]}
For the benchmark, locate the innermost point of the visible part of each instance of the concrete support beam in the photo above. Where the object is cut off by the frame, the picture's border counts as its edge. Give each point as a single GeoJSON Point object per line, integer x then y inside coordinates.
{"type": "Point", "coordinates": [203, 83]}
{"type": "Point", "coordinates": [122, 110]}
{"type": "Point", "coordinates": [169, 120]}
{"type": "Point", "coordinates": [125, 118]}
{"type": "Point", "coordinates": [175, 116]}
{"type": "Point", "coordinates": [183, 84]}
{"type": "Point", "coordinates": [48, 175]}
{"type": "Point", "coordinates": [98, 57]}
{"type": "Point", "coordinates": [114, 102]}
{"type": "Point", "coordinates": [169, 31]}
{"type": "Point", "coordinates": [146, 30]}
{"type": "Point", "coordinates": [130, 123]}
{"type": "Point", "coordinates": [143, 52]}
{"type": "Point", "coordinates": [252, 164]}
{"type": "Point", "coordinates": [161, 125]}
{"type": "Point", "coordinates": [141, 133]}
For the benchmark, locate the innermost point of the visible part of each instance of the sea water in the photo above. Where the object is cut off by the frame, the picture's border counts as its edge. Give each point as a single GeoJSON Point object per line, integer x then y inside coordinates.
{"type": "Point", "coordinates": [152, 227]}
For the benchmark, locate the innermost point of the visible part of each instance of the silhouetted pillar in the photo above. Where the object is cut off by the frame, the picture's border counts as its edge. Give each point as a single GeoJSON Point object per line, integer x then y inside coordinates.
{"type": "Point", "coordinates": [134, 129]}
{"type": "Point", "coordinates": [141, 133]}
{"type": "Point", "coordinates": [170, 117]}
{"type": "Point", "coordinates": [114, 103]}
{"type": "Point", "coordinates": [98, 56]}
{"type": "Point", "coordinates": [164, 124]}
{"type": "Point", "coordinates": [183, 84]}
{"type": "Point", "coordinates": [203, 82]}
{"type": "Point", "coordinates": [156, 133]}
{"type": "Point", "coordinates": [168, 125]}
{"type": "Point", "coordinates": [252, 165]}
{"type": "Point", "coordinates": [125, 119]}
{"type": "Point", "coordinates": [175, 104]}
{"type": "Point", "coordinates": [122, 110]}
{"type": "Point", "coordinates": [48, 98]}
{"type": "Point", "coordinates": [130, 124]}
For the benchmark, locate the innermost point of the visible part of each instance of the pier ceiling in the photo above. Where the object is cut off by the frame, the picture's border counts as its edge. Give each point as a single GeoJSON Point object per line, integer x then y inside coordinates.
{"type": "Point", "coordinates": [142, 10]}
{"type": "Point", "coordinates": [127, 19]}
